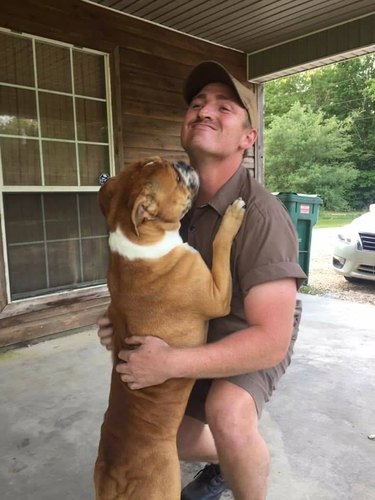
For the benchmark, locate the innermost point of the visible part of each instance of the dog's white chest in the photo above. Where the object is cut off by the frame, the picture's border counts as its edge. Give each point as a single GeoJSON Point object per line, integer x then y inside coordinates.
{"type": "Point", "coordinates": [120, 244]}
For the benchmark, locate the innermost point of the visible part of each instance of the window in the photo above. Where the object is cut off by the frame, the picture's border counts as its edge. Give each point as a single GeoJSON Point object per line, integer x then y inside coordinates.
{"type": "Point", "coordinates": [55, 141]}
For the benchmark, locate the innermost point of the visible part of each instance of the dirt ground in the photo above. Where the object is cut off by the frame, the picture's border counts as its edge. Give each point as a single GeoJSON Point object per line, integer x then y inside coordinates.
{"type": "Point", "coordinates": [322, 278]}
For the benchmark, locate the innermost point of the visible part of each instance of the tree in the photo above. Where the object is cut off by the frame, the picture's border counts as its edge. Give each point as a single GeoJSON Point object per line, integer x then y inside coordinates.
{"type": "Point", "coordinates": [306, 153]}
{"type": "Point", "coordinates": [345, 91]}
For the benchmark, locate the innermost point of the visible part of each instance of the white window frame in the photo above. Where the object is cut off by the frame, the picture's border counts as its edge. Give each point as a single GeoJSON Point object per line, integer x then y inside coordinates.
{"type": "Point", "coordinates": [50, 189]}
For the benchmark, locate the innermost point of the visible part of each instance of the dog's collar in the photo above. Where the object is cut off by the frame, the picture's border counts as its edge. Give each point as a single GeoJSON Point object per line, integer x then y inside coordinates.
{"type": "Point", "coordinates": [120, 244]}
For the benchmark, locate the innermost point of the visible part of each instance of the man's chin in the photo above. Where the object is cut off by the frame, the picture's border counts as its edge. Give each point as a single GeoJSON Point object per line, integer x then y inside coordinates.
{"type": "Point", "coordinates": [199, 146]}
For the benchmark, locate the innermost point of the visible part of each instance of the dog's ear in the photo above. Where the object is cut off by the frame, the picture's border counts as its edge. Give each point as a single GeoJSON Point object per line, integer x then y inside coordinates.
{"type": "Point", "coordinates": [144, 208]}
{"type": "Point", "coordinates": [150, 160]}
{"type": "Point", "coordinates": [105, 195]}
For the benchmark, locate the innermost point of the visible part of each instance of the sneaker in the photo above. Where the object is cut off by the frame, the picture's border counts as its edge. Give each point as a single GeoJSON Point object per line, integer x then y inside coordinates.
{"type": "Point", "coordinates": [208, 484]}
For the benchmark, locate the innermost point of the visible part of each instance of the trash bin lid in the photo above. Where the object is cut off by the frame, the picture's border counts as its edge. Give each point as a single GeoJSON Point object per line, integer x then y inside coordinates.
{"type": "Point", "coordinates": [312, 199]}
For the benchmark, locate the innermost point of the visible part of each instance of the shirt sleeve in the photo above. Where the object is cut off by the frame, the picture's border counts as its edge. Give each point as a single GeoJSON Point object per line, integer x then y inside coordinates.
{"type": "Point", "coordinates": [267, 246]}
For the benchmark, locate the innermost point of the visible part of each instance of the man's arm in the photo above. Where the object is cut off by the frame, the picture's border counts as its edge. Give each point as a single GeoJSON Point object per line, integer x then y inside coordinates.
{"type": "Point", "coordinates": [105, 331]}
{"type": "Point", "coordinates": [269, 308]}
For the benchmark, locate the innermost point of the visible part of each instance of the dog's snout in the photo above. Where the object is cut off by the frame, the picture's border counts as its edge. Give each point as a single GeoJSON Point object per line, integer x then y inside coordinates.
{"type": "Point", "coordinates": [189, 175]}
{"type": "Point", "coordinates": [181, 165]}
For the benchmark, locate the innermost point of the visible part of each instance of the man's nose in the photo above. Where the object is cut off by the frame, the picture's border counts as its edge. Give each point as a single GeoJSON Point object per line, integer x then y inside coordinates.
{"type": "Point", "coordinates": [205, 111]}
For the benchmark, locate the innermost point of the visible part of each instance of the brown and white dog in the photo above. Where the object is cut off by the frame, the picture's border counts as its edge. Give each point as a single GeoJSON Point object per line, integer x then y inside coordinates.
{"type": "Point", "coordinates": [159, 286]}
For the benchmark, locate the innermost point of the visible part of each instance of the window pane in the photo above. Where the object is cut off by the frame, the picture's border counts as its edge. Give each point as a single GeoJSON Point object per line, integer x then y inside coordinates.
{"type": "Point", "coordinates": [27, 269]}
{"type": "Point", "coordinates": [64, 263]}
{"type": "Point", "coordinates": [93, 160]}
{"type": "Point", "coordinates": [91, 120]}
{"type": "Point", "coordinates": [95, 258]}
{"type": "Point", "coordinates": [18, 112]}
{"type": "Point", "coordinates": [56, 116]}
{"type": "Point", "coordinates": [16, 61]}
{"type": "Point", "coordinates": [20, 161]}
{"type": "Point", "coordinates": [89, 74]}
{"type": "Point", "coordinates": [23, 218]}
{"type": "Point", "coordinates": [50, 137]}
{"type": "Point", "coordinates": [53, 67]}
{"type": "Point", "coordinates": [61, 218]}
{"type": "Point", "coordinates": [92, 220]}
{"type": "Point", "coordinates": [59, 160]}
{"type": "Point", "coordinates": [44, 230]}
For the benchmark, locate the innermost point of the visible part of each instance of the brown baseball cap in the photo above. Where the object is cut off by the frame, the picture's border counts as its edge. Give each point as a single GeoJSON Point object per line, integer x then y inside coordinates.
{"type": "Point", "coordinates": [212, 72]}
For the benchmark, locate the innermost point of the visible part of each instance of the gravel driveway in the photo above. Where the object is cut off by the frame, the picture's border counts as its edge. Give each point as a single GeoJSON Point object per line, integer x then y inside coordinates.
{"type": "Point", "coordinates": [322, 278]}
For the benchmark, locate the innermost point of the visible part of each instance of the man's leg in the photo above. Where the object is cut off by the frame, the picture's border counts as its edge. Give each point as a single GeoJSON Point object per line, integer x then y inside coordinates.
{"type": "Point", "coordinates": [243, 453]}
{"type": "Point", "coordinates": [232, 437]}
{"type": "Point", "coordinates": [195, 442]}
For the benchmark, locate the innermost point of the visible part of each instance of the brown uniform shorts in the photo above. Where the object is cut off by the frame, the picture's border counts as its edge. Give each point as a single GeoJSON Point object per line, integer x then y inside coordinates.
{"type": "Point", "coordinates": [260, 385]}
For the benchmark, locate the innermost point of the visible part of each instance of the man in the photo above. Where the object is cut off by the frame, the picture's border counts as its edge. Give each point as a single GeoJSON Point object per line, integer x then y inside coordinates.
{"type": "Point", "coordinates": [248, 350]}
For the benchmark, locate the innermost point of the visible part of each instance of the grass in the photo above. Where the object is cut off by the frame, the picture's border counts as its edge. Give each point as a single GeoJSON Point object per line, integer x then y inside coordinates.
{"type": "Point", "coordinates": [311, 290]}
{"type": "Point", "coordinates": [335, 219]}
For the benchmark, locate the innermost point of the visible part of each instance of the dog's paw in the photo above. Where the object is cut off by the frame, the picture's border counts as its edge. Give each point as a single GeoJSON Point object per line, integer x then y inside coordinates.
{"type": "Point", "coordinates": [234, 215]}
{"type": "Point", "coordinates": [239, 205]}
{"type": "Point", "coordinates": [236, 210]}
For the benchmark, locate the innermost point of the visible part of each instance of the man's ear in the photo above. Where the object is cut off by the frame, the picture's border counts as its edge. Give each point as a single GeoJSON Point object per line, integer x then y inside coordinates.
{"type": "Point", "coordinates": [105, 195]}
{"type": "Point", "coordinates": [249, 138]}
{"type": "Point", "coordinates": [144, 208]}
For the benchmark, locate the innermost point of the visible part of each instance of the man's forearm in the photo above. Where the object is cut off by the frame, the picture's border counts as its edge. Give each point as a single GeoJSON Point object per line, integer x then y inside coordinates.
{"type": "Point", "coordinates": [241, 352]}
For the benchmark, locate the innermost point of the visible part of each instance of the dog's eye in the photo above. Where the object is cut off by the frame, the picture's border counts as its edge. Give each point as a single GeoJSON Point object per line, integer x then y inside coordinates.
{"type": "Point", "coordinates": [178, 178]}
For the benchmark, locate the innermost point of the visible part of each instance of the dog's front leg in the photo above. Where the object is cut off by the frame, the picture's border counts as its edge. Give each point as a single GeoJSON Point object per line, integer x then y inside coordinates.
{"type": "Point", "coordinates": [221, 276]}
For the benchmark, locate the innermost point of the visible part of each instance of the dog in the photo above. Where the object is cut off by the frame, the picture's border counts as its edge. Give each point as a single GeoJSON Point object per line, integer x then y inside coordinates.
{"type": "Point", "coordinates": [158, 286]}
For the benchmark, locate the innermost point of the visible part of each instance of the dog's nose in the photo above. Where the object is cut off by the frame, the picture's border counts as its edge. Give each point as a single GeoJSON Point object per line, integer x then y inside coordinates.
{"type": "Point", "coordinates": [181, 165]}
{"type": "Point", "coordinates": [188, 174]}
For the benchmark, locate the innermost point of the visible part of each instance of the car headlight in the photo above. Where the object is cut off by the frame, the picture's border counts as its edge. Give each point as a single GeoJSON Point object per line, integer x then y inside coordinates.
{"type": "Point", "coordinates": [350, 237]}
{"type": "Point", "coordinates": [345, 238]}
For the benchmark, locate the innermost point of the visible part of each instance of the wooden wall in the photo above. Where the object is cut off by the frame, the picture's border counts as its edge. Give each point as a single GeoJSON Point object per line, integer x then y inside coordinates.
{"type": "Point", "coordinates": [148, 67]}
{"type": "Point", "coordinates": [2, 272]}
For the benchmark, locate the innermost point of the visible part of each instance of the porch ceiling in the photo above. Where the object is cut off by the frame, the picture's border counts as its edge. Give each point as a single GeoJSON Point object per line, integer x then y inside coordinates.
{"type": "Point", "coordinates": [245, 25]}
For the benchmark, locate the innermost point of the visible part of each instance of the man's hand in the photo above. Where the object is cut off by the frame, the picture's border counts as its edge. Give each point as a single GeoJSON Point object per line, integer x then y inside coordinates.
{"type": "Point", "coordinates": [105, 331]}
{"type": "Point", "coordinates": [146, 364]}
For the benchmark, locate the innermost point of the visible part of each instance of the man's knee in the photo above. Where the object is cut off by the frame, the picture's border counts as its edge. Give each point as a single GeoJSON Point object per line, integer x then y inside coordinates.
{"type": "Point", "coordinates": [195, 442]}
{"type": "Point", "coordinates": [231, 412]}
{"type": "Point", "coordinates": [189, 431]}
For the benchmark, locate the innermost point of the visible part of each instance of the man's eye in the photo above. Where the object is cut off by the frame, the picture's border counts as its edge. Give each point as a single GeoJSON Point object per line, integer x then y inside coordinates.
{"type": "Point", "coordinates": [224, 108]}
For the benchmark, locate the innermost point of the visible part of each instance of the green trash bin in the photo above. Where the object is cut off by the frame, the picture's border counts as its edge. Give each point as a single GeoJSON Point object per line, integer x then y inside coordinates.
{"type": "Point", "coordinates": [303, 210]}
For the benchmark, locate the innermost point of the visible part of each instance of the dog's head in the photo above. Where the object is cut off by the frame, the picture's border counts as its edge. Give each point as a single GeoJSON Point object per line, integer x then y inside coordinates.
{"type": "Point", "coordinates": [154, 191]}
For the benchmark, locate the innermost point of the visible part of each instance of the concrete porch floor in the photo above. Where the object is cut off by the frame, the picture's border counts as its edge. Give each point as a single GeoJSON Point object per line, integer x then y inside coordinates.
{"type": "Point", "coordinates": [53, 395]}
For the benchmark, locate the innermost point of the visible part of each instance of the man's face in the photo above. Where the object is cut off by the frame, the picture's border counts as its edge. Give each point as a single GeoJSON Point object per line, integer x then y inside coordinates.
{"type": "Point", "coordinates": [215, 124]}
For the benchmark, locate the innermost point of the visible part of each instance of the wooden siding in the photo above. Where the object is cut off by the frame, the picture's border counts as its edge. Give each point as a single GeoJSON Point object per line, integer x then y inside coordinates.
{"type": "Point", "coordinates": [28, 321]}
{"type": "Point", "coordinates": [149, 64]}
{"type": "Point", "coordinates": [148, 67]}
{"type": "Point", "coordinates": [3, 299]}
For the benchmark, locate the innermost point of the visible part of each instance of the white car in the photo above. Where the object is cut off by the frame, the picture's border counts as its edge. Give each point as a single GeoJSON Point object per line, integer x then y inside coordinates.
{"type": "Point", "coordinates": [354, 252]}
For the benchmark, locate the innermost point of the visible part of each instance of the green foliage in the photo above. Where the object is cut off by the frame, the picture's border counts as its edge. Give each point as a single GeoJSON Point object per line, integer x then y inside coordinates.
{"type": "Point", "coordinates": [344, 93]}
{"type": "Point", "coordinates": [310, 290]}
{"type": "Point", "coordinates": [306, 153]}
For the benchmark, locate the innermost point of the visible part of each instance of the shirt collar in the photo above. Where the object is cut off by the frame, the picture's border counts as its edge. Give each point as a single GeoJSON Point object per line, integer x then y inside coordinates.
{"type": "Point", "coordinates": [229, 191]}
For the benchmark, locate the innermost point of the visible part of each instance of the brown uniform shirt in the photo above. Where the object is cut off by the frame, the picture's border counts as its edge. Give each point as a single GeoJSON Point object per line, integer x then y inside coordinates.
{"type": "Point", "coordinates": [265, 248]}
